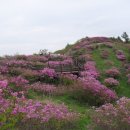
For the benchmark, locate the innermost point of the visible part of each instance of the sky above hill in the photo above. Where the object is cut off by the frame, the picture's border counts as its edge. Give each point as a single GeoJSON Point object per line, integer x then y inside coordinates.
{"type": "Point", "coordinates": [26, 26]}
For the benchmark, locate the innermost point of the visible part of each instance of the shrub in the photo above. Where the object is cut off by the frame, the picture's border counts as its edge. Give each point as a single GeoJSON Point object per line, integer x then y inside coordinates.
{"type": "Point", "coordinates": [111, 82]}
{"type": "Point", "coordinates": [19, 81]}
{"type": "Point", "coordinates": [113, 72]}
{"type": "Point", "coordinates": [112, 117]}
{"type": "Point", "coordinates": [48, 72]}
{"type": "Point", "coordinates": [17, 111]}
{"type": "Point", "coordinates": [4, 69]}
{"type": "Point", "coordinates": [95, 92]}
{"type": "Point", "coordinates": [3, 84]}
{"type": "Point", "coordinates": [90, 70]}
{"type": "Point", "coordinates": [120, 55]}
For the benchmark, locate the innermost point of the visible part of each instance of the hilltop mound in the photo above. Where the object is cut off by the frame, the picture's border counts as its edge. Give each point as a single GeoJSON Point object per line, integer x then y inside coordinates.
{"type": "Point", "coordinates": [84, 43]}
{"type": "Point", "coordinates": [106, 53]}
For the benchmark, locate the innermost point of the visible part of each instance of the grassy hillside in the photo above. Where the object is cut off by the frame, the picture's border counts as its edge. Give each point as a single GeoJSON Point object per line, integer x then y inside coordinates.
{"type": "Point", "coordinates": [34, 88]}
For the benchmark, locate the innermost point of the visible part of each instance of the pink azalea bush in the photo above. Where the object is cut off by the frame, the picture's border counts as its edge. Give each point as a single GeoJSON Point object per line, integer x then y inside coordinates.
{"type": "Point", "coordinates": [48, 72]}
{"type": "Point", "coordinates": [16, 63]}
{"type": "Point", "coordinates": [113, 72]}
{"type": "Point", "coordinates": [3, 70]}
{"type": "Point", "coordinates": [54, 63]}
{"type": "Point", "coordinates": [112, 117]}
{"type": "Point", "coordinates": [18, 111]}
{"type": "Point", "coordinates": [19, 81]}
{"type": "Point", "coordinates": [43, 112]}
{"type": "Point", "coordinates": [3, 84]}
{"type": "Point", "coordinates": [19, 84]}
{"type": "Point", "coordinates": [90, 70]}
{"type": "Point", "coordinates": [68, 61]}
{"type": "Point", "coordinates": [94, 89]}
{"type": "Point", "coordinates": [111, 82]}
{"type": "Point", "coordinates": [64, 62]}
{"type": "Point", "coordinates": [120, 55]}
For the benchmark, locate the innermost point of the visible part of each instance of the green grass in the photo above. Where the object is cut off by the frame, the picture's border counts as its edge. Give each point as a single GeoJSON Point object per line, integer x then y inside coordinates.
{"type": "Point", "coordinates": [124, 89]}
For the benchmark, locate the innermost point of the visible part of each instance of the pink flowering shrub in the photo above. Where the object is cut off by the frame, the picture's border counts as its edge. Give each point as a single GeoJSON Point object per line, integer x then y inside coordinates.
{"type": "Point", "coordinates": [44, 112]}
{"type": "Point", "coordinates": [20, 112]}
{"type": "Point", "coordinates": [120, 55]}
{"type": "Point", "coordinates": [111, 82]}
{"type": "Point", "coordinates": [112, 117]}
{"type": "Point", "coordinates": [54, 63]}
{"type": "Point", "coordinates": [113, 72]}
{"type": "Point", "coordinates": [49, 76]}
{"type": "Point", "coordinates": [16, 63]}
{"type": "Point", "coordinates": [96, 92]}
{"type": "Point", "coordinates": [45, 116]}
{"type": "Point", "coordinates": [92, 90]}
{"type": "Point", "coordinates": [68, 61]}
{"type": "Point", "coordinates": [48, 72]}
{"type": "Point", "coordinates": [90, 70]}
{"type": "Point", "coordinates": [3, 84]}
{"type": "Point", "coordinates": [19, 81]}
{"type": "Point", "coordinates": [3, 70]}
{"type": "Point", "coordinates": [65, 62]}
{"type": "Point", "coordinates": [6, 106]}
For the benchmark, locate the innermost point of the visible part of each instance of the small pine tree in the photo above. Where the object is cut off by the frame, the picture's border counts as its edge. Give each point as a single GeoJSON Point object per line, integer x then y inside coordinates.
{"type": "Point", "coordinates": [119, 39]}
{"type": "Point", "coordinates": [125, 37]}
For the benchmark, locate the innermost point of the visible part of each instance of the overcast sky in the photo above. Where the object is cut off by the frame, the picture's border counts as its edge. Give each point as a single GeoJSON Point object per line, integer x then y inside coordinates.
{"type": "Point", "coordinates": [26, 26]}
